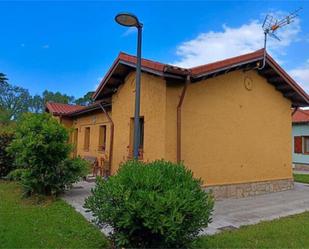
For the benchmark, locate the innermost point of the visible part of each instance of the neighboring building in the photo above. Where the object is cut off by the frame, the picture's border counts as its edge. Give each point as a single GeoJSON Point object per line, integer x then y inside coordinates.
{"type": "Point", "coordinates": [300, 133]}
{"type": "Point", "coordinates": [228, 121]}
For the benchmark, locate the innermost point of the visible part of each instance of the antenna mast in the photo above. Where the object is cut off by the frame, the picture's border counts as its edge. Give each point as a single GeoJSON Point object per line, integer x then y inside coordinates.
{"type": "Point", "coordinates": [271, 25]}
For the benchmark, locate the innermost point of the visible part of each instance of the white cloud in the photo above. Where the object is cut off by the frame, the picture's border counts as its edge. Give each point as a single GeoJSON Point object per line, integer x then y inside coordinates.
{"type": "Point", "coordinates": [301, 75]}
{"type": "Point", "coordinates": [129, 31]}
{"type": "Point", "coordinates": [217, 45]}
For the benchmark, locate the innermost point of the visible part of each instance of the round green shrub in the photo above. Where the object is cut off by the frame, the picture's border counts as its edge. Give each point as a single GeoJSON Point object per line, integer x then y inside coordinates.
{"type": "Point", "coordinates": [151, 205]}
{"type": "Point", "coordinates": [41, 146]}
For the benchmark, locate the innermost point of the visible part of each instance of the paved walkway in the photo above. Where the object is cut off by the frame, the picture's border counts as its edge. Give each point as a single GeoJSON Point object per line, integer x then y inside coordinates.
{"type": "Point", "coordinates": [229, 213]}
{"type": "Point", "coordinates": [304, 172]}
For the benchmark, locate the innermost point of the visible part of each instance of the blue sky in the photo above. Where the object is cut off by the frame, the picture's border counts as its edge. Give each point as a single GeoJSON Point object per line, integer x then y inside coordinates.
{"type": "Point", "coordinates": [68, 46]}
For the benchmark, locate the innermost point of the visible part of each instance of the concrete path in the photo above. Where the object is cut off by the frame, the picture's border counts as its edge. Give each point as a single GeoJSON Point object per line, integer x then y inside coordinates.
{"type": "Point", "coordinates": [304, 172]}
{"type": "Point", "coordinates": [229, 213]}
{"type": "Point", "coordinates": [233, 213]}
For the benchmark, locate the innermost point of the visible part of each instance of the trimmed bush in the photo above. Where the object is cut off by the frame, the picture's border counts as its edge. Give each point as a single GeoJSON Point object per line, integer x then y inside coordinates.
{"type": "Point", "coordinates": [151, 205]}
{"type": "Point", "coordinates": [6, 160]}
{"type": "Point", "coordinates": [40, 146]}
{"type": "Point", "coordinates": [16, 175]}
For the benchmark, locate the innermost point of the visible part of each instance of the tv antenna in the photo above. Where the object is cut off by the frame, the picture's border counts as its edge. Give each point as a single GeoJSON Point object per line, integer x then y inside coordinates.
{"type": "Point", "coordinates": [271, 25]}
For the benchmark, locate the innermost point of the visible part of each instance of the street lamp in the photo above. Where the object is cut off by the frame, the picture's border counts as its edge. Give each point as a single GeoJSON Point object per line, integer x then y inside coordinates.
{"type": "Point", "coordinates": [130, 20]}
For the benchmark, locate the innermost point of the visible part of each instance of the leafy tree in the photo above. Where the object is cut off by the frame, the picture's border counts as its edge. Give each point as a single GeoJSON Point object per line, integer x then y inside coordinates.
{"type": "Point", "coordinates": [58, 97]}
{"type": "Point", "coordinates": [151, 205]}
{"type": "Point", "coordinates": [36, 104]}
{"type": "Point", "coordinates": [14, 100]}
{"type": "Point", "coordinates": [85, 100]}
{"type": "Point", "coordinates": [40, 146]}
{"type": "Point", "coordinates": [6, 160]}
{"type": "Point", "coordinates": [4, 118]}
{"type": "Point", "coordinates": [3, 78]}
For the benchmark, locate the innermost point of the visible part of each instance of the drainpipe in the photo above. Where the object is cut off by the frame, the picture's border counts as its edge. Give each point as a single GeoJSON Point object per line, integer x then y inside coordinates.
{"type": "Point", "coordinates": [183, 93]}
{"type": "Point", "coordinates": [111, 135]}
{"type": "Point", "coordinates": [295, 110]}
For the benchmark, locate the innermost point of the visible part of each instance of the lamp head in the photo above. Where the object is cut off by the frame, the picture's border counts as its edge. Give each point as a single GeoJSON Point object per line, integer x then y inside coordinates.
{"type": "Point", "coordinates": [127, 19]}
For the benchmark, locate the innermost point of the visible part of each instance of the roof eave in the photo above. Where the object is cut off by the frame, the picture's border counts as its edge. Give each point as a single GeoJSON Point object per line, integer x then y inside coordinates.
{"type": "Point", "coordinates": [133, 66]}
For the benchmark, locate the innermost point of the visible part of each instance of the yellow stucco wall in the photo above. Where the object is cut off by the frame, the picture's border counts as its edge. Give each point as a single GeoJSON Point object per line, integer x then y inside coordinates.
{"type": "Point", "coordinates": [229, 134]}
{"type": "Point", "coordinates": [235, 135]}
{"type": "Point", "coordinates": [67, 122]}
{"type": "Point", "coordinates": [92, 120]}
{"type": "Point", "coordinates": [153, 96]}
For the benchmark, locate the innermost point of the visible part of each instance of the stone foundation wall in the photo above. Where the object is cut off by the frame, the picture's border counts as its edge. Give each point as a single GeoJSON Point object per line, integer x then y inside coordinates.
{"type": "Point", "coordinates": [250, 189]}
{"type": "Point", "coordinates": [301, 167]}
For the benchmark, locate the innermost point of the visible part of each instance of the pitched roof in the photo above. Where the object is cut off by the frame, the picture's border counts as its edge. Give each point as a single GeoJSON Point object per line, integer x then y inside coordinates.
{"type": "Point", "coordinates": [301, 116]}
{"type": "Point", "coordinates": [275, 75]}
{"type": "Point", "coordinates": [196, 71]}
{"type": "Point", "coordinates": [60, 109]}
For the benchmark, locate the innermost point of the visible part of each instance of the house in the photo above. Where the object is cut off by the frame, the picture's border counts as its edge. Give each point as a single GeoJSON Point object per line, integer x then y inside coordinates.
{"type": "Point", "coordinates": [300, 133]}
{"type": "Point", "coordinates": [228, 121]}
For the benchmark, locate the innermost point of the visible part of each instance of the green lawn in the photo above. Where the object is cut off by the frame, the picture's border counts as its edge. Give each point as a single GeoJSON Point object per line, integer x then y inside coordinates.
{"type": "Point", "coordinates": [301, 178]}
{"type": "Point", "coordinates": [289, 232]}
{"type": "Point", "coordinates": [54, 224]}
{"type": "Point", "coordinates": [51, 224]}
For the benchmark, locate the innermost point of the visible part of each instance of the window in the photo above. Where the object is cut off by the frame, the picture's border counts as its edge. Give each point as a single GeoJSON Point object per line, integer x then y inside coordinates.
{"type": "Point", "coordinates": [87, 139]}
{"type": "Point", "coordinates": [102, 138]}
{"type": "Point", "coordinates": [141, 139]}
{"type": "Point", "coordinates": [301, 144]}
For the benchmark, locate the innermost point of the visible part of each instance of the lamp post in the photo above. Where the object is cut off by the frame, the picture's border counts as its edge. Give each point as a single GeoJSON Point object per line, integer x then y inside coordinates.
{"type": "Point", "coordinates": [130, 20]}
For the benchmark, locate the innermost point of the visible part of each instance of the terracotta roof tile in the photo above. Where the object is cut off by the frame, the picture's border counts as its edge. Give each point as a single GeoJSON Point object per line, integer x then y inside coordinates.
{"type": "Point", "coordinates": [59, 108]}
{"type": "Point", "coordinates": [301, 116]}
{"type": "Point", "coordinates": [199, 71]}
{"type": "Point", "coordinates": [154, 65]}
{"type": "Point", "coordinates": [227, 62]}
{"type": "Point", "coordinates": [161, 67]}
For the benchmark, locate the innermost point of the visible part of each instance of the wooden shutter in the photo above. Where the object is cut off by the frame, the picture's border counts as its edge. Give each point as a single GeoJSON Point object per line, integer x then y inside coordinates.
{"type": "Point", "coordinates": [298, 145]}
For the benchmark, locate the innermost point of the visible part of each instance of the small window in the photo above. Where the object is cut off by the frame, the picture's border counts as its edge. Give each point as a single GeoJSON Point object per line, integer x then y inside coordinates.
{"type": "Point", "coordinates": [306, 145]}
{"type": "Point", "coordinates": [102, 138]}
{"type": "Point", "coordinates": [87, 139]}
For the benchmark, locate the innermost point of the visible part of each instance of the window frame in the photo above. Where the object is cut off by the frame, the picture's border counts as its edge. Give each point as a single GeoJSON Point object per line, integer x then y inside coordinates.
{"type": "Point", "coordinates": [305, 149]}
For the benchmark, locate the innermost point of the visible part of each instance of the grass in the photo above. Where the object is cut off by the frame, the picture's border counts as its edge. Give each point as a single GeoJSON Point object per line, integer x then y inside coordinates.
{"type": "Point", "coordinates": [288, 232]}
{"type": "Point", "coordinates": [51, 224]}
{"type": "Point", "coordinates": [301, 178]}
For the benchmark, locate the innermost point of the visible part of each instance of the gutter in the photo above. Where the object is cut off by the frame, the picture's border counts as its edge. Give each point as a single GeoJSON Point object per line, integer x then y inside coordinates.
{"type": "Point", "coordinates": [182, 96]}
{"type": "Point", "coordinates": [111, 135]}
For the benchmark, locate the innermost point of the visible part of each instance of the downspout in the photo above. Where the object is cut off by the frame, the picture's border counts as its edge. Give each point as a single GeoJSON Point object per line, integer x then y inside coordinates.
{"type": "Point", "coordinates": [295, 110]}
{"type": "Point", "coordinates": [111, 135]}
{"type": "Point", "coordinates": [183, 93]}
